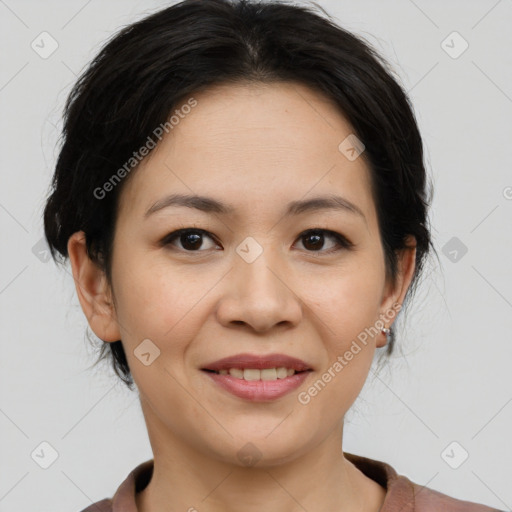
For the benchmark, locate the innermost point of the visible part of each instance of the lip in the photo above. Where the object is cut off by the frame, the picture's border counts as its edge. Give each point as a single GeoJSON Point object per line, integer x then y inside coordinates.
{"type": "Point", "coordinates": [257, 390]}
{"type": "Point", "coordinates": [258, 362]}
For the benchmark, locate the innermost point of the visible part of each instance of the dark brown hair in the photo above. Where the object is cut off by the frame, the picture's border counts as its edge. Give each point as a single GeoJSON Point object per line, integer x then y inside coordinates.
{"type": "Point", "coordinates": [133, 84]}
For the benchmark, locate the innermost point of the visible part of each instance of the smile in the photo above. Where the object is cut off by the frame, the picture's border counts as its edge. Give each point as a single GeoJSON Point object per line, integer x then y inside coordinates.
{"type": "Point", "coordinates": [256, 374]}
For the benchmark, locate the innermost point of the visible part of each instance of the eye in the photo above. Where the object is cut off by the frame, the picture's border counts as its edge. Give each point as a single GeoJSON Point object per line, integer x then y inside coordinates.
{"type": "Point", "coordinates": [315, 239]}
{"type": "Point", "coordinates": [191, 239]}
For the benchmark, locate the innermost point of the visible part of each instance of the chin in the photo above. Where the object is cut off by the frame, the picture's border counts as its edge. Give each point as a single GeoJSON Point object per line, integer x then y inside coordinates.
{"type": "Point", "coordinates": [262, 450]}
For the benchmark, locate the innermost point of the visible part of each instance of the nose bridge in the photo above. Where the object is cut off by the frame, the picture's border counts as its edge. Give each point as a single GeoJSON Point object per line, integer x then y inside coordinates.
{"type": "Point", "coordinates": [262, 275]}
{"type": "Point", "coordinates": [258, 270]}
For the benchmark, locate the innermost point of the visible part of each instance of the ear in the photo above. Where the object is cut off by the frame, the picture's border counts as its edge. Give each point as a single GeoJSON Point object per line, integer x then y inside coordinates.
{"type": "Point", "coordinates": [394, 292]}
{"type": "Point", "coordinates": [93, 290]}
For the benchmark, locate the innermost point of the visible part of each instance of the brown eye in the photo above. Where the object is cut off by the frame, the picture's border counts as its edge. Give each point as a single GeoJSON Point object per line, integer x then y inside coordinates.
{"type": "Point", "coordinates": [315, 239]}
{"type": "Point", "coordinates": [191, 240]}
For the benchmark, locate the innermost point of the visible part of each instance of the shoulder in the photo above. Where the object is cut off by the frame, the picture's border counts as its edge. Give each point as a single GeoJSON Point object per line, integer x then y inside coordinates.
{"type": "Point", "coordinates": [429, 500]}
{"type": "Point", "coordinates": [407, 496]}
{"type": "Point", "coordinates": [124, 499]}
{"type": "Point", "coordinates": [100, 506]}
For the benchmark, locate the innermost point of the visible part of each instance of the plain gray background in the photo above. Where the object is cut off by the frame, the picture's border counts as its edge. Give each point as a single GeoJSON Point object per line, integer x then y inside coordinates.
{"type": "Point", "coordinates": [451, 381]}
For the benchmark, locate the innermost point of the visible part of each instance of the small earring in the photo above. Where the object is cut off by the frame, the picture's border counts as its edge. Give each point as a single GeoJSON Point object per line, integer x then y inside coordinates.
{"type": "Point", "coordinates": [386, 331]}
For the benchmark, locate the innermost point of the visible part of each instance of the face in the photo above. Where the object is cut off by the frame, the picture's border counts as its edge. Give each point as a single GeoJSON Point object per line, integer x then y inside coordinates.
{"type": "Point", "coordinates": [261, 279]}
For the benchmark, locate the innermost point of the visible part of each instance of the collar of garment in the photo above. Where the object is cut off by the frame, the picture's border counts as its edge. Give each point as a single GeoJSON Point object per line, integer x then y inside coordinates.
{"type": "Point", "coordinates": [402, 495]}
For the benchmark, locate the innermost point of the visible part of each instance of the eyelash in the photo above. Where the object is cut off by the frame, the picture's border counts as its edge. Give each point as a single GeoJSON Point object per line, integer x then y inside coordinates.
{"type": "Point", "coordinates": [342, 242]}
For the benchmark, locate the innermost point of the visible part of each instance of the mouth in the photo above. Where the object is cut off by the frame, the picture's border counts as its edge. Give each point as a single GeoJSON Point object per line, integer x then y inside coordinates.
{"type": "Point", "coordinates": [258, 378]}
{"type": "Point", "coordinates": [251, 374]}
{"type": "Point", "coordinates": [258, 362]}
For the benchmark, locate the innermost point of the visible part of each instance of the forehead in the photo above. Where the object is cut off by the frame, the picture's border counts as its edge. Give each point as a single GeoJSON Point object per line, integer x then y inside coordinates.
{"type": "Point", "coordinates": [253, 145]}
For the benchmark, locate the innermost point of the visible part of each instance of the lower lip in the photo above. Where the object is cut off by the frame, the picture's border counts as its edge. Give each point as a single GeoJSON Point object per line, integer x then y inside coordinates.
{"type": "Point", "coordinates": [258, 390]}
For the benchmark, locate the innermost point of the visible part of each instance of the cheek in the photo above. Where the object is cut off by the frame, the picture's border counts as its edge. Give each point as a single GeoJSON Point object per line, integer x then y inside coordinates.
{"type": "Point", "coordinates": [348, 308]}
{"type": "Point", "coordinates": [151, 299]}
{"type": "Point", "coordinates": [348, 301]}
{"type": "Point", "coordinates": [164, 311]}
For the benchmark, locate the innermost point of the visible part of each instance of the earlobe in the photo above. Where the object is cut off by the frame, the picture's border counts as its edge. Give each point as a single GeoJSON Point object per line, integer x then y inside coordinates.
{"type": "Point", "coordinates": [395, 292]}
{"type": "Point", "coordinates": [93, 290]}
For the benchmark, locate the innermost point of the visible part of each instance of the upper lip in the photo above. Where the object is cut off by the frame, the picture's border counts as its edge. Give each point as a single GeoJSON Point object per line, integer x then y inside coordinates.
{"type": "Point", "coordinates": [258, 362]}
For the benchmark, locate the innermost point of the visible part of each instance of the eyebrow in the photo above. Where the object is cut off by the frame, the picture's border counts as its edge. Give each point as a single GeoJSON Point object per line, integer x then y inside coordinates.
{"type": "Point", "coordinates": [210, 205]}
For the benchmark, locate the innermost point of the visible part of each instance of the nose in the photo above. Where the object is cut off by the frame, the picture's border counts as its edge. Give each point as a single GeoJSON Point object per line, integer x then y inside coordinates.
{"type": "Point", "coordinates": [259, 295]}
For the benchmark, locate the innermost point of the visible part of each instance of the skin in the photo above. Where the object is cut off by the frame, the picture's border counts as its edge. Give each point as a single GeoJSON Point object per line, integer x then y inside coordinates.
{"type": "Point", "coordinates": [255, 147]}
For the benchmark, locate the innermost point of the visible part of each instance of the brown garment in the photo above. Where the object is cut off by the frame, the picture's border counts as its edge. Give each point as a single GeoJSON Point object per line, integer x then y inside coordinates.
{"type": "Point", "coordinates": [402, 495]}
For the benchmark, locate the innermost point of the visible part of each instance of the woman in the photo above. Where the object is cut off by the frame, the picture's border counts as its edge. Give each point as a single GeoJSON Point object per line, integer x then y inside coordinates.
{"type": "Point", "coordinates": [242, 196]}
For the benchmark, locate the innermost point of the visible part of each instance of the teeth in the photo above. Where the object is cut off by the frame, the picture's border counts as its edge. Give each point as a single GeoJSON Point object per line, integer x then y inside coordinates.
{"type": "Point", "coordinates": [255, 374]}
{"type": "Point", "coordinates": [282, 373]}
{"type": "Point", "coordinates": [268, 374]}
{"type": "Point", "coordinates": [250, 374]}
{"type": "Point", "coordinates": [236, 372]}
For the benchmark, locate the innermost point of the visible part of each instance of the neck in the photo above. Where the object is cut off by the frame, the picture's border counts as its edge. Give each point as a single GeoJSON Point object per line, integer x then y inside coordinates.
{"type": "Point", "coordinates": [320, 479]}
